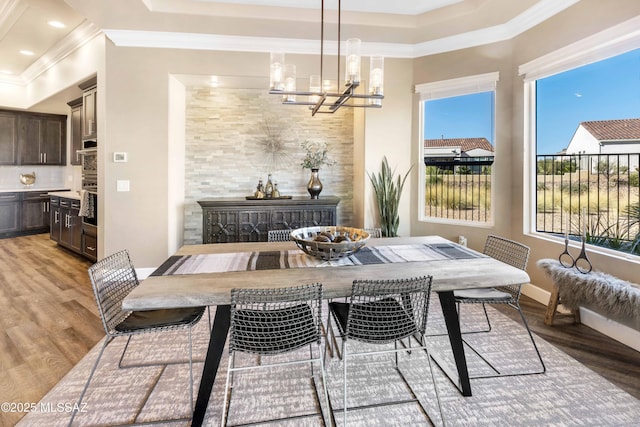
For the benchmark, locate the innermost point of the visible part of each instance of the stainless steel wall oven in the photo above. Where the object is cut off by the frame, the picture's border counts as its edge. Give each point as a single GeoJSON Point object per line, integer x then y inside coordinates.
{"type": "Point", "coordinates": [89, 154]}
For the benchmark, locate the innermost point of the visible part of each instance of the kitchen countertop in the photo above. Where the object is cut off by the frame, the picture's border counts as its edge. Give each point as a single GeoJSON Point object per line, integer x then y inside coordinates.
{"type": "Point", "coordinates": [67, 194]}
{"type": "Point", "coordinates": [31, 189]}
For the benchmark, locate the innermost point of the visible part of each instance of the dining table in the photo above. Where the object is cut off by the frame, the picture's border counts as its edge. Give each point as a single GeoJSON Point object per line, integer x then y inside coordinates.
{"type": "Point", "coordinates": [205, 274]}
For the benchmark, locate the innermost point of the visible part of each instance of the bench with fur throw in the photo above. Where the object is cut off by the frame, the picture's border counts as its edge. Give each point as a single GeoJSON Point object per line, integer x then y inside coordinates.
{"type": "Point", "coordinates": [606, 294]}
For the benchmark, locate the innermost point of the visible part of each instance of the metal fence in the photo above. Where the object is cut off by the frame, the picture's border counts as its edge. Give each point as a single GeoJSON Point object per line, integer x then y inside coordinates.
{"type": "Point", "coordinates": [589, 195]}
{"type": "Point", "coordinates": [458, 189]}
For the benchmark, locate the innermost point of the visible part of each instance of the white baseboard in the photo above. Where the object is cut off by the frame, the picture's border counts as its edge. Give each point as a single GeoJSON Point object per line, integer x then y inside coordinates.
{"type": "Point", "coordinates": [619, 332]}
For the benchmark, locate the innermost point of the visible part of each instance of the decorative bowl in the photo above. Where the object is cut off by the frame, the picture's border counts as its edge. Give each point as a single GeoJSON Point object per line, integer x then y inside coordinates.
{"type": "Point", "coordinates": [28, 178]}
{"type": "Point", "coordinates": [347, 241]}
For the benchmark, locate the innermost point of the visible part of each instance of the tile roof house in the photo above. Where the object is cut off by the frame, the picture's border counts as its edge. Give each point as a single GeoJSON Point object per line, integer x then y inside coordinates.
{"type": "Point", "coordinates": [458, 151]}
{"type": "Point", "coordinates": [608, 138]}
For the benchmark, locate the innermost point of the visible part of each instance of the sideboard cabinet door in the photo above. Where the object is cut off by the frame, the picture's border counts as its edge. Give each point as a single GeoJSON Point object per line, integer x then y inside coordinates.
{"type": "Point", "coordinates": [227, 220]}
{"type": "Point", "coordinates": [219, 226]}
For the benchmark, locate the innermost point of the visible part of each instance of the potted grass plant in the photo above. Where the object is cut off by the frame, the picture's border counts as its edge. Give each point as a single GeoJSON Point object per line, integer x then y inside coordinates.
{"type": "Point", "coordinates": [388, 189]}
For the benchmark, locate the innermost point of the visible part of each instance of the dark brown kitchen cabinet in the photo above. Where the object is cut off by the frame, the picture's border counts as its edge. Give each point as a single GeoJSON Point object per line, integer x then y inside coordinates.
{"type": "Point", "coordinates": [35, 211]}
{"type": "Point", "coordinates": [42, 139]}
{"type": "Point", "coordinates": [90, 241]}
{"type": "Point", "coordinates": [55, 218]}
{"type": "Point", "coordinates": [89, 116]}
{"type": "Point", "coordinates": [8, 138]}
{"type": "Point", "coordinates": [68, 229]}
{"type": "Point", "coordinates": [75, 118]}
{"type": "Point", "coordinates": [9, 213]}
{"type": "Point", "coordinates": [227, 220]}
{"type": "Point", "coordinates": [71, 225]}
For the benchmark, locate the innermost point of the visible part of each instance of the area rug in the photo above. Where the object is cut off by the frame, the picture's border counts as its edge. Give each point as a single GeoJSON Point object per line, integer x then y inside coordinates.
{"type": "Point", "coordinates": [568, 394]}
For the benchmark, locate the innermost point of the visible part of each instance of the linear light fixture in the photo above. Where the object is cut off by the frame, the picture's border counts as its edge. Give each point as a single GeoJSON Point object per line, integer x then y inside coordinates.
{"type": "Point", "coordinates": [319, 98]}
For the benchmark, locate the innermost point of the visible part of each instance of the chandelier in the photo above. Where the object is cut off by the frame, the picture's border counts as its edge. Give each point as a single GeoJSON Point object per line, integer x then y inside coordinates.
{"type": "Point", "coordinates": [319, 97]}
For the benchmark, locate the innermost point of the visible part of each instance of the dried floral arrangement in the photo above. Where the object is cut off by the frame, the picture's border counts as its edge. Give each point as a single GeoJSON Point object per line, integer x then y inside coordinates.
{"type": "Point", "coordinates": [316, 155]}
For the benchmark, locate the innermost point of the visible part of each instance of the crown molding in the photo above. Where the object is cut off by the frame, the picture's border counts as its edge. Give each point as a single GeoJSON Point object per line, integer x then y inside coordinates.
{"type": "Point", "coordinates": [85, 32]}
{"type": "Point", "coordinates": [521, 23]}
{"type": "Point", "coordinates": [156, 39]}
{"type": "Point", "coordinates": [10, 11]}
{"type": "Point", "coordinates": [76, 39]}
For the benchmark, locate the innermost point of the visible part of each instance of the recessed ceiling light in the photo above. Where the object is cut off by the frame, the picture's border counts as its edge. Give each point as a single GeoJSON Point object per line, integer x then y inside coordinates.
{"type": "Point", "coordinates": [57, 24]}
{"type": "Point", "coordinates": [26, 52]}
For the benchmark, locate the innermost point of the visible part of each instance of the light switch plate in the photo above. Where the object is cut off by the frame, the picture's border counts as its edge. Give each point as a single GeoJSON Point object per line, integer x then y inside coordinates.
{"type": "Point", "coordinates": [120, 157]}
{"type": "Point", "coordinates": [122, 185]}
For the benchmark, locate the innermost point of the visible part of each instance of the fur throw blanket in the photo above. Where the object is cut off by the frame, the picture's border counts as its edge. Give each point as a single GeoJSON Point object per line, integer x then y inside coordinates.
{"type": "Point", "coordinates": [616, 297]}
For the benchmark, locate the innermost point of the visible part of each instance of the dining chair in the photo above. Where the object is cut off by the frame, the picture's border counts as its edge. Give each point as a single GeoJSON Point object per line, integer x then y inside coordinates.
{"type": "Point", "coordinates": [270, 322]}
{"type": "Point", "coordinates": [279, 235]}
{"type": "Point", "coordinates": [112, 279]}
{"type": "Point", "coordinates": [383, 312]}
{"type": "Point", "coordinates": [517, 255]}
{"type": "Point", "coordinates": [374, 232]}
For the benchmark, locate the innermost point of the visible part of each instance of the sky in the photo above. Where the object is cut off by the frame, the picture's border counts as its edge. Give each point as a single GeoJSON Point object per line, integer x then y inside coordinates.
{"type": "Point", "coordinates": [605, 90]}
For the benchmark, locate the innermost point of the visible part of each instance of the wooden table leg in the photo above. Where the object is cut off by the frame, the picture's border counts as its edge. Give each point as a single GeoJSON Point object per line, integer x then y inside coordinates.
{"type": "Point", "coordinates": [551, 307]}
{"type": "Point", "coordinates": [218, 338]}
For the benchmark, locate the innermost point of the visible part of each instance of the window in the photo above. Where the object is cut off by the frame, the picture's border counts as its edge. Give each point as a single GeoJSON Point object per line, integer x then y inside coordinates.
{"type": "Point", "coordinates": [457, 146]}
{"type": "Point", "coordinates": [584, 130]}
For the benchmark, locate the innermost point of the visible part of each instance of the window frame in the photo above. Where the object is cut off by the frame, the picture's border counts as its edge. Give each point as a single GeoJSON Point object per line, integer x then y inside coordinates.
{"type": "Point", "coordinates": [449, 88]}
{"type": "Point", "coordinates": [606, 44]}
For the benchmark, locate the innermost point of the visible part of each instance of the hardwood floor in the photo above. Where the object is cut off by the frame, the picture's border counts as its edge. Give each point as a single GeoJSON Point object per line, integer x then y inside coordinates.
{"type": "Point", "coordinates": [49, 320]}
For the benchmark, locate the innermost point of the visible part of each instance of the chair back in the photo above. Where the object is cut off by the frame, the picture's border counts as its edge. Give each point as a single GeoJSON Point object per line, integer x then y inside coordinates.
{"type": "Point", "coordinates": [510, 252]}
{"type": "Point", "coordinates": [112, 279]}
{"type": "Point", "coordinates": [374, 232]}
{"type": "Point", "coordinates": [273, 321]}
{"type": "Point", "coordinates": [279, 235]}
{"type": "Point", "coordinates": [384, 311]}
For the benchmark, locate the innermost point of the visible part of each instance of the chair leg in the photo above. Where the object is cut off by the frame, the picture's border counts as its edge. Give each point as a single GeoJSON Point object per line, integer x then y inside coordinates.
{"type": "Point", "coordinates": [190, 372]}
{"type": "Point", "coordinates": [435, 386]}
{"type": "Point", "coordinates": [526, 325]}
{"type": "Point", "coordinates": [330, 337]}
{"type": "Point", "coordinates": [486, 316]}
{"type": "Point", "coordinates": [227, 393]}
{"type": "Point", "coordinates": [93, 370]}
{"type": "Point", "coordinates": [344, 403]}
{"type": "Point", "coordinates": [124, 351]}
{"type": "Point", "coordinates": [325, 389]}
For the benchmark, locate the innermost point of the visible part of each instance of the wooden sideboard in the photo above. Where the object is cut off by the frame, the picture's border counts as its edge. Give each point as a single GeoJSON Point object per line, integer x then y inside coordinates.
{"type": "Point", "coordinates": [227, 220]}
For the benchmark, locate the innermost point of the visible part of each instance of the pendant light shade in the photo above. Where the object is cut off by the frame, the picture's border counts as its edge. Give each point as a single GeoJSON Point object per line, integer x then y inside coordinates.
{"type": "Point", "coordinates": [320, 97]}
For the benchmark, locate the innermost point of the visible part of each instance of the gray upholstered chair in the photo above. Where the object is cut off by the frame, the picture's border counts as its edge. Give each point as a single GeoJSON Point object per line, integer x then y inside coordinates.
{"type": "Point", "coordinates": [269, 322]}
{"type": "Point", "coordinates": [517, 255]}
{"type": "Point", "coordinates": [384, 312]}
{"type": "Point", "coordinates": [112, 279]}
{"type": "Point", "coordinates": [279, 235]}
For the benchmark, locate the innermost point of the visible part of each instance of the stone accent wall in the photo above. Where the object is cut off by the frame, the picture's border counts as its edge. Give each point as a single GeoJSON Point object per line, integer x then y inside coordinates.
{"type": "Point", "coordinates": [228, 132]}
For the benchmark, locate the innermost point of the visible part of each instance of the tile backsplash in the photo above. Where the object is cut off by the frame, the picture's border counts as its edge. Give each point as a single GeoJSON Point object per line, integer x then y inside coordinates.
{"type": "Point", "coordinates": [46, 177]}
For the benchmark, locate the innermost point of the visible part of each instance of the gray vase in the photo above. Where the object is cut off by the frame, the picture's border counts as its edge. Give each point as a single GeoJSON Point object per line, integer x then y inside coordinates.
{"type": "Point", "coordinates": [314, 187]}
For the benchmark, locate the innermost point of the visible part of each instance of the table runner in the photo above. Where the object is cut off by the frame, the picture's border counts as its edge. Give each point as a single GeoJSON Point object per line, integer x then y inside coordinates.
{"type": "Point", "coordinates": [295, 258]}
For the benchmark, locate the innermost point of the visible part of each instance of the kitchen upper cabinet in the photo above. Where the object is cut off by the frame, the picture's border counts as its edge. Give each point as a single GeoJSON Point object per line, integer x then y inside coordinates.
{"type": "Point", "coordinates": [89, 127]}
{"type": "Point", "coordinates": [42, 139]}
{"type": "Point", "coordinates": [75, 117]}
{"type": "Point", "coordinates": [8, 138]}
